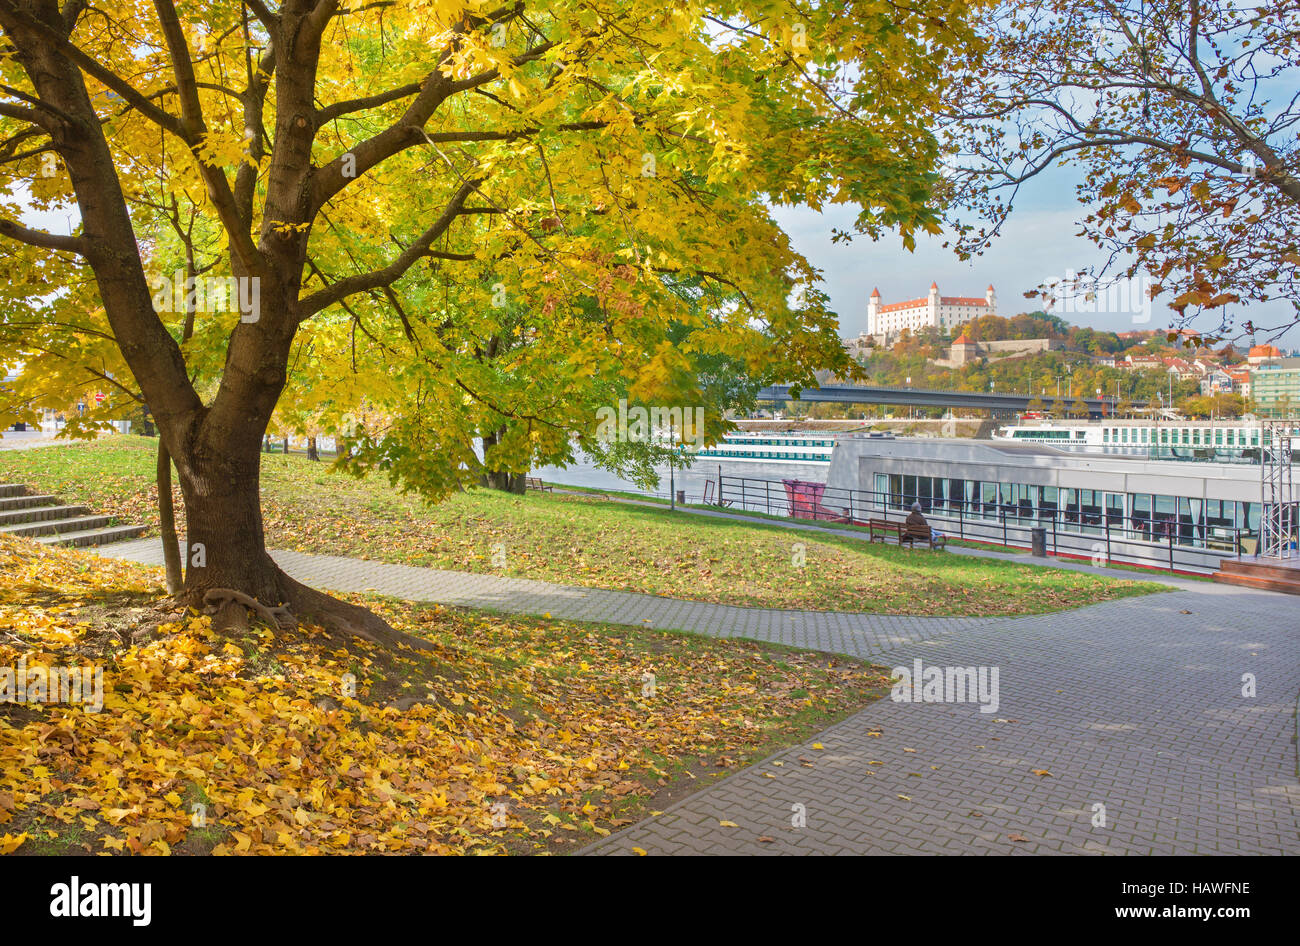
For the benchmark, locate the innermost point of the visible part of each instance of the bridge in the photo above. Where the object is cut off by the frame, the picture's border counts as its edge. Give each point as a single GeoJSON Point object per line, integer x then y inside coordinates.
{"type": "Point", "coordinates": [1004, 404]}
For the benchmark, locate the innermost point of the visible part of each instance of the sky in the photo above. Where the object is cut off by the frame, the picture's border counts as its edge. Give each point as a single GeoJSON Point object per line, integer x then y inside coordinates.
{"type": "Point", "coordinates": [1037, 244]}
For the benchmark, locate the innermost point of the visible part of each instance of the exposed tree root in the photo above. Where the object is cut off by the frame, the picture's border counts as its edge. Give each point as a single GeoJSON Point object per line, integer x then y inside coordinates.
{"type": "Point", "coordinates": [230, 610]}
{"type": "Point", "coordinates": [341, 618]}
{"type": "Point", "coordinates": [217, 600]}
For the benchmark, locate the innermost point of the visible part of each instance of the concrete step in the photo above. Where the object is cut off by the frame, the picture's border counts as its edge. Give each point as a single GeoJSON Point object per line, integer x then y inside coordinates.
{"type": "Point", "coordinates": [1261, 568]}
{"type": "Point", "coordinates": [85, 537]}
{"type": "Point", "coordinates": [23, 502]}
{"type": "Point", "coordinates": [51, 526]}
{"type": "Point", "coordinates": [42, 517]}
{"type": "Point", "coordinates": [41, 514]}
{"type": "Point", "coordinates": [1260, 582]}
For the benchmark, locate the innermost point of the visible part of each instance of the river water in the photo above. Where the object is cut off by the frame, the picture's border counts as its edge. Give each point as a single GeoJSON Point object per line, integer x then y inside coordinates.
{"type": "Point", "coordinates": [585, 473]}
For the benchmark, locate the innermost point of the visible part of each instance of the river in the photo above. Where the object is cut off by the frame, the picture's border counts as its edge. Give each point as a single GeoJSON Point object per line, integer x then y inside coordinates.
{"type": "Point", "coordinates": [585, 473]}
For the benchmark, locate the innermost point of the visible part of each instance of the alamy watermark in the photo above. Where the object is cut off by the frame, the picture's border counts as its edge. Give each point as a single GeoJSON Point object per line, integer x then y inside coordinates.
{"type": "Point", "coordinates": [1085, 294]}
{"type": "Point", "coordinates": [40, 684]}
{"type": "Point", "coordinates": [181, 293]}
{"type": "Point", "coordinates": [920, 684]}
{"type": "Point", "coordinates": [684, 425]}
{"type": "Point", "coordinates": [74, 899]}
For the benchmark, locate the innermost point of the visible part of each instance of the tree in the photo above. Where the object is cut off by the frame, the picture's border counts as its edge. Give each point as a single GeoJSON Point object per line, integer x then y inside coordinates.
{"type": "Point", "coordinates": [579, 163]}
{"type": "Point", "coordinates": [1180, 114]}
{"type": "Point", "coordinates": [1079, 408]}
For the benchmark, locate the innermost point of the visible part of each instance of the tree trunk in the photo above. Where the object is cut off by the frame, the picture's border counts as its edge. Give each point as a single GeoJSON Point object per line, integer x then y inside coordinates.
{"type": "Point", "coordinates": [215, 446]}
{"type": "Point", "coordinates": [312, 453]}
{"type": "Point", "coordinates": [506, 482]}
{"type": "Point", "coordinates": [499, 479]}
{"type": "Point", "coordinates": [226, 552]}
{"type": "Point", "coordinates": [167, 522]}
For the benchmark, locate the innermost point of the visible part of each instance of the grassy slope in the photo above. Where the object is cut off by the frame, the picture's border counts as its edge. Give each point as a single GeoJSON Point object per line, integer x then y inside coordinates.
{"type": "Point", "coordinates": [583, 541]}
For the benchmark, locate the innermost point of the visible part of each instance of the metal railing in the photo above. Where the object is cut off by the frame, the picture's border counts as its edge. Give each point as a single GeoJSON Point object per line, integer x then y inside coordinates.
{"type": "Point", "coordinates": [1099, 534]}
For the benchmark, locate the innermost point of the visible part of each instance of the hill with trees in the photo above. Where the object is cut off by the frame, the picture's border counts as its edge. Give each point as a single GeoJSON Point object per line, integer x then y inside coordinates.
{"type": "Point", "coordinates": [1080, 367]}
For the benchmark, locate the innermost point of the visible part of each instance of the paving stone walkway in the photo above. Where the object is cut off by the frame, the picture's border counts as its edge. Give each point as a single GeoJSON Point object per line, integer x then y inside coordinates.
{"type": "Point", "coordinates": [858, 635]}
{"type": "Point", "coordinates": [1134, 707]}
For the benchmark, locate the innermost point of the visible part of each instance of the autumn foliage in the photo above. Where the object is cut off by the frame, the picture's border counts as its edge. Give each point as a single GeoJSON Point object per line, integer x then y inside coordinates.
{"type": "Point", "coordinates": [510, 736]}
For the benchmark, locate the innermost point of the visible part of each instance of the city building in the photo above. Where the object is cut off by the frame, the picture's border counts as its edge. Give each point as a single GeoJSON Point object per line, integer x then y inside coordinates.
{"type": "Point", "coordinates": [1259, 354]}
{"type": "Point", "coordinates": [1275, 387]}
{"type": "Point", "coordinates": [1217, 381]}
{"type": "Point", "coordinates": [1240, 375]}
{"type": "Point", "coordinates": [887, 321]}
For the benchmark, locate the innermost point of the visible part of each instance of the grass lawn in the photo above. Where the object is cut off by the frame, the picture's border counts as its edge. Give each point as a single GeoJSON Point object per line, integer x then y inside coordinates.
{"type": "Point", "coordinates": [581, 540]}
{"type": "Point", "coordinates": [512, 736]}
{"type": "Point", "coordinates": [864, 531]}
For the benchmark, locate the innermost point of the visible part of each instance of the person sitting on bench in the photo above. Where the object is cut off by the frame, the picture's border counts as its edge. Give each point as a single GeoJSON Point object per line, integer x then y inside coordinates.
{"type": "Point", "coordinates": [916, 523]}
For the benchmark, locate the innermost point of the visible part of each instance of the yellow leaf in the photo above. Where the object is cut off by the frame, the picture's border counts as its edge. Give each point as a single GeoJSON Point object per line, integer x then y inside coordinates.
{"type": "Point", "coordinates": [10, 843]}
{"type": "Point", "coordinates": [728, 824]}
{"type": "Point", "coordinates": [640, 851]}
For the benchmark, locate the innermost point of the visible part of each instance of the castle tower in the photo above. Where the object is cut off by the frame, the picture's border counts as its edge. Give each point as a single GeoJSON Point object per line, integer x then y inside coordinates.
{"type": "Point", "coordinates": [963, 350]}
{"type": "Point", "coordinates": [933, 304]}
{"type": "Point", "coordinates": [991, 298]}
{"type": "Point", "coordinates": [873, 312]}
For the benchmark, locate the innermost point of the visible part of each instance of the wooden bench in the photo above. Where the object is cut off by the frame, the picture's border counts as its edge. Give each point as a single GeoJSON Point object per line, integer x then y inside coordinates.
{"type": "Point", "coordinates": [914, 534]}
{"type": "Point", "coordinates": [533, 482]}
{"type": "Point", "coordinates": [881, 529]}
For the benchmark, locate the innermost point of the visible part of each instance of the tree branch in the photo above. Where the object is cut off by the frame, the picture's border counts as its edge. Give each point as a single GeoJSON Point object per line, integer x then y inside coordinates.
{"type": "Point", "coordinates": [378, 279]}
{"type": "Point", "coordinates": [47, 241]}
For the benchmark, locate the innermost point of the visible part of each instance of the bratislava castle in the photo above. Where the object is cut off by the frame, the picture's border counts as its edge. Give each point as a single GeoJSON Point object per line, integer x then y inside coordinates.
{"type": "Point", "coordinates": [933, 310]}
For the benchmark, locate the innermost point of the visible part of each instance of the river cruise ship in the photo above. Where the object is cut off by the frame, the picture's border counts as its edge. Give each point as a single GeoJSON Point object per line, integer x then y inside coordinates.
{"type": "Point", "coordinates": [1235, 440]}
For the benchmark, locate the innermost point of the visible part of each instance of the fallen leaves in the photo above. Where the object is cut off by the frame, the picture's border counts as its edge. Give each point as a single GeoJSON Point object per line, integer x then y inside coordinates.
{"type": "Point", "coordinates": [525, 734]}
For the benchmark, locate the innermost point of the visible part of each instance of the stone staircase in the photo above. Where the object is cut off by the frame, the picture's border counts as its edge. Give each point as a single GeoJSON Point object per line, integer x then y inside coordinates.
{"type": "Point", "coordinates": [45, 519]}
